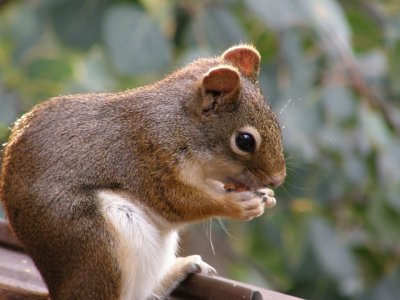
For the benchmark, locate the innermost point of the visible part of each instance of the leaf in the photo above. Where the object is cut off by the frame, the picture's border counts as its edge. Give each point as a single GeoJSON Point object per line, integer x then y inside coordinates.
{"type": "Point", "coordinates": [384, 220]}
{"type": "Point", "coordinates": [51, 69]}
{"type": "Point", "coordinates": [300, 116]}
{"type": "Point", "coordinates": [301, 70]}
{"type": "Point", "coordinates": [334, 256]}
{"type": "Point", "coordinates": [324, 16]}
{"type": "Point", "coordinates": [330, 25]}
{"type": "Point", "coordinates": [300, 120]}
{"type": "Point", "coordinates": [373, 129]}
{"type": "Point", "coordinates": [78, 23]}
{"type": "Point", "coordinates": [393, 192]}
{"type": "Point", "coordinates": [279, 15]}
{"type": "Point", "coordinates": [339, 102]}
{"type": "Point", "coordinates": [134, 41]}
{"type": "Point", "coordinates": [361, 23]}
{"type": "Point", "coordinates": [331, 184]}
{"type": "Point", "coordinates": [373, 65]}
{"type": "Point", "coordinates": [8, 105]}
{"type": "Point", "coordinates": [22, 25]}
{"type": "Point", "coordinates": [95, 75]}
{"type": "Point", "coordinates": [192, 54]}
{"type": "Point", "coordinates": [387, 288]}
{"type": "Point", "coordinates": [354, 169]}
{"type": "Point", "coordinates": [268, 81]}
{"type": "Point", "coordinates": [217, 27]}
{"type": "Point", "coordinates": [389, 163]}
{"type": "Point", "coordinates": [394, 69]}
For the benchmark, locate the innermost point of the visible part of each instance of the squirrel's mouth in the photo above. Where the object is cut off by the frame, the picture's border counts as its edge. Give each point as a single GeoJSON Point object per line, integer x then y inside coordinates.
{"type": "Point", "coordinates": [230, 184]}
{"type": "Point", "coordinates": [253, 180]}
{"type": "Point", "coordinates": [241, 183]}
{"type": "Point", "coordinates": [234, 185]}
{"type": "Point", "coordinates": [245, 181]}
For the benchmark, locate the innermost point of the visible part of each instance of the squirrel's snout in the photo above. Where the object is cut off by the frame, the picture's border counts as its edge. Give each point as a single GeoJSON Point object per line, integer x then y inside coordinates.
{"type": "Point", "coordinates": [275, 180]}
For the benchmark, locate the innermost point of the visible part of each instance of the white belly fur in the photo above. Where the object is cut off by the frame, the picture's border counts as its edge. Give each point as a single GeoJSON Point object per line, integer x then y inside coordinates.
{"type": "Point", "coordinates": [145, 251]}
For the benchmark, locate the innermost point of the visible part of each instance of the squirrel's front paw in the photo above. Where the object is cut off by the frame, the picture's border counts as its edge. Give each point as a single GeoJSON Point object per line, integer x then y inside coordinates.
{"type": "Point", "coordinates": [182, 267]}
{"type": "Point", "coordinates": [267, 196]}
{"type": "Point", "coordinates": [194, 264]}
{"type": "Point", "coordinates": [252, 204]}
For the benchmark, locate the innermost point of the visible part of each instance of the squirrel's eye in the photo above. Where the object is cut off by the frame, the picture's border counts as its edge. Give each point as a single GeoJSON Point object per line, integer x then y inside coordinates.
{"type": "Point", "coordinates": [245, 142]}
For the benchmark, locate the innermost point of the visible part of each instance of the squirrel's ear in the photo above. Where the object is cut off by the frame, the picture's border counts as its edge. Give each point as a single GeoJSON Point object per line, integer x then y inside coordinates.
{"type": "Point", "coordinates": [222, 80]}
{"type": "Point", "coordinates": [246, 58]}
{"type": "Point", "coordinates": [219, 89]}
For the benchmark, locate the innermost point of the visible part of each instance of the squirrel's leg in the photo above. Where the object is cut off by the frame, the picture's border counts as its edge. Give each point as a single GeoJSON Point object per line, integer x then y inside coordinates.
{"type": "Point", "coordinates": [182, 267]}
{"type": "Point", "coordinates": [69, 240]}
{"type": "Point", "coordinates": [77, 258]}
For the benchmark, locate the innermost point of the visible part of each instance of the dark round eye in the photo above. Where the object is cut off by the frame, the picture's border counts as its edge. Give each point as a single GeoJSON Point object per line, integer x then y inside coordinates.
{"type": "Point", "coordinates": [245, 142]}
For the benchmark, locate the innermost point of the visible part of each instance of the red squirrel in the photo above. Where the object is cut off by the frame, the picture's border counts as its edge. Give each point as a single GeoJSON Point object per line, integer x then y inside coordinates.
{"type": "Point", "coordinates": [96, 186]}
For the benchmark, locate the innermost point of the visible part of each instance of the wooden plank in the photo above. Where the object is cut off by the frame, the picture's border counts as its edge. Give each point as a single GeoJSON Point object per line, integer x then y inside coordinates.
{"type": "Point", "coordinates": [7, 237]}
{"type": "Point", "coordinates": [266, 294]}
{"type": "Point", "coordinates": [197, 286]}
{"type": "Point", "coordinates": [17, 270]}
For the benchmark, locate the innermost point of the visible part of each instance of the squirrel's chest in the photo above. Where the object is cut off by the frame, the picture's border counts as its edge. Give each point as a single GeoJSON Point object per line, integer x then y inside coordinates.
{"type": "Point", "coordinates": [145, 252]}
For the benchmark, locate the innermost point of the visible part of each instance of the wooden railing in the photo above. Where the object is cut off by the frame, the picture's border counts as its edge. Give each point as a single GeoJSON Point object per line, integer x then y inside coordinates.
{"type": "Point", "coordinates": [17, 270]}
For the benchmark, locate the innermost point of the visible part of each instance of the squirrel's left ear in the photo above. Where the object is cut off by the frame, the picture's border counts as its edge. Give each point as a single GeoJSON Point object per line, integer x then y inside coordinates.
{"type": "Point", "coordinates": [246, 58]}
{"type": "Point", "coordinates": [223, 80]}
{"type": "Point", "coordinates": [219, 90]}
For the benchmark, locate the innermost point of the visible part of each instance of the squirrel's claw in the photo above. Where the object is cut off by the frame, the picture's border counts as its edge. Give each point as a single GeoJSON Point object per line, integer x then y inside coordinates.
{"type": "Point", "coordinates": [267, 196]}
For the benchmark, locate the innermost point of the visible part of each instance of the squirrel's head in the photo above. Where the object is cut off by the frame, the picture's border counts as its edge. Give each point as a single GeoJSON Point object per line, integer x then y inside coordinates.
{"type": "Point", "coordinates": [240, 136]}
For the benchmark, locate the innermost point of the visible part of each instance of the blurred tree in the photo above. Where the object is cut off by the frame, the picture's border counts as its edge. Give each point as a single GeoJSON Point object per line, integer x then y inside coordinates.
{"type": "Point", "coordinates": [331, 70]}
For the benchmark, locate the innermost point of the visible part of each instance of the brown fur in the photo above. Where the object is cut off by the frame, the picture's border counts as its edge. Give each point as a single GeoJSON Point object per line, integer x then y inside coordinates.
{"type": "Point", "coordinates": [67, 148]}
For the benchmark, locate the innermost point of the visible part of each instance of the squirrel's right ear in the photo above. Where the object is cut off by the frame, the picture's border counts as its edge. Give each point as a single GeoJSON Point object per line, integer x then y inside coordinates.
{"type": "Point", "coordinates": [246, 58]}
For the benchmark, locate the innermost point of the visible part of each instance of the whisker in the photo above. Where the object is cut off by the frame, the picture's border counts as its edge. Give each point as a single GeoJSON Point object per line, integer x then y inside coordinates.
{"type": "Point", "coordinates": [283, 114]}
{"type": "Point", "coordinates": [223, 227]}
{"type": "Point", "coordinates": [294, 168]}
{"type": "Point", "coordinates": [260, 174]}
{"type": "Point", "coordinates": [295, 186]}
{"type": "Point", "coordinates": [210, 236]}
{"type": "Point", "coordinates": [287, 192]}
{"type": "Point", "coordinates": [285, 106]}
{"type": "Point", "coordinates": [289, 158]}
{"type": "Point", "coordinates": [208, 232]}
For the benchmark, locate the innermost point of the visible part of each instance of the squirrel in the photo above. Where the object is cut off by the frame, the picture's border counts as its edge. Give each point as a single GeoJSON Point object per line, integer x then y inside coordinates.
{"type": "Point", "coordinates": [97, 186]}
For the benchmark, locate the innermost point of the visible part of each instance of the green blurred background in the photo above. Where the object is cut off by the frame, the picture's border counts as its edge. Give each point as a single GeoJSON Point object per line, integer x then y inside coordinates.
{"type": "Point", "coordinates": [331, 71]}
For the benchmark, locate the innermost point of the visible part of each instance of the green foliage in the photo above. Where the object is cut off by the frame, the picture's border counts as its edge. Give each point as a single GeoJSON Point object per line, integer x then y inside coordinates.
{"type": "Point", "coordinates": [331, 70]}
{"type": "Point", "coordinates": [127, 27]}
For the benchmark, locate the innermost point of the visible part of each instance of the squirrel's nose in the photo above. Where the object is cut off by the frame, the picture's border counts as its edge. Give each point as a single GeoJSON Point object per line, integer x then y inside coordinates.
{"type": "Point", "coordinates": [275, 180]}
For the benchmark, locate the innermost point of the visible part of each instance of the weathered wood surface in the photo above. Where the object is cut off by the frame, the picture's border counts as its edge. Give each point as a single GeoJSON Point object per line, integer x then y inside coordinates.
{"type": "Point", "coordinates": [18, 270]}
